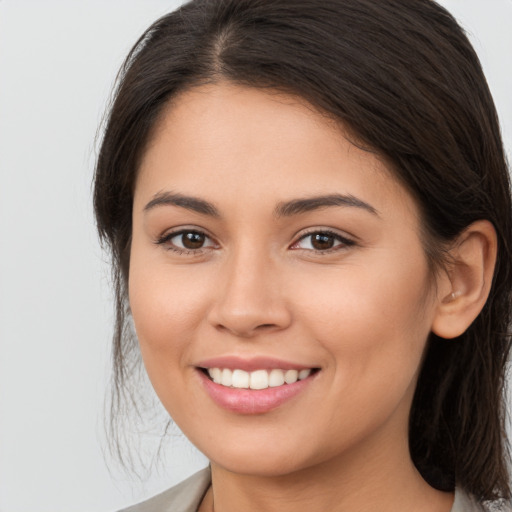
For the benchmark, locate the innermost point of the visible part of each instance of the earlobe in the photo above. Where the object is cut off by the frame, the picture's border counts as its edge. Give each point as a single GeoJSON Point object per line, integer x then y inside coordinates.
{"type": "Point", "coordinates": [467, 281]}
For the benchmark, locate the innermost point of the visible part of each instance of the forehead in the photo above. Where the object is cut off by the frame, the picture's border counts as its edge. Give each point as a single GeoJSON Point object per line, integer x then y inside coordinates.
{"type": "Point", "coordinates": [232, 141]}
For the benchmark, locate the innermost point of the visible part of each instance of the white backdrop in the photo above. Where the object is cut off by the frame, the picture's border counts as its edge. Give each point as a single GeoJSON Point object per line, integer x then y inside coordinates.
{"type": "Point", "coordinates": [58, 60]}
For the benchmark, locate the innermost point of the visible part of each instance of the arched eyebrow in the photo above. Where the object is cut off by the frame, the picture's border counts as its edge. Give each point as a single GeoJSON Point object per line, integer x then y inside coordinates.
{"type": "Point", "coordinates": [307, 204]}
{"type": "Point", "coordinates": [284, 209]}
{"type": "Point", "coordinates": [188, 202]}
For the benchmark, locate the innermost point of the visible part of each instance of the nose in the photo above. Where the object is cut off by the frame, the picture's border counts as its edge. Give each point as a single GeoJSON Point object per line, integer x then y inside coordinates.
{"type": "Point", "coordinates": [249, 301]}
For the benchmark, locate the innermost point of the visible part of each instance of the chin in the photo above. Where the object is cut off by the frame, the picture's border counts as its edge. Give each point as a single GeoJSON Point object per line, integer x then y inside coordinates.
{"type": "Point", "coordinates": [263, 459]}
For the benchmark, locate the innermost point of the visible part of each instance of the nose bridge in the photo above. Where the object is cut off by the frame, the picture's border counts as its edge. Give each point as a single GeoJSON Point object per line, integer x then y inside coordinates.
{"type": "Point", "coordinates": [250, 298]}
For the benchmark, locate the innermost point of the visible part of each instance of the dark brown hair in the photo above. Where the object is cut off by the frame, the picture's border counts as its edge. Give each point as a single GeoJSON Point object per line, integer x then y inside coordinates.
{"type": "Point", "coordinates": [403, 77]}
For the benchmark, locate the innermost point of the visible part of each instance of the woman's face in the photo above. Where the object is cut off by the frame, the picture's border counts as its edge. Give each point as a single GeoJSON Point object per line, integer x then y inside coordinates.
{"type": "Point", "coordinates": [266, 244]}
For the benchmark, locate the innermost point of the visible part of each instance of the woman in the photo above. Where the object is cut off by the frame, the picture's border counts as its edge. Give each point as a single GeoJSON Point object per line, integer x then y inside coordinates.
{"type": "Point", "coordinates": [309, 213]}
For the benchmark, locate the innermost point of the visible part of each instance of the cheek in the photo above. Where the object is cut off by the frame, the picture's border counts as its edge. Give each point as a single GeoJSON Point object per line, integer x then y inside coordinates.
{"type": "Point", "coordinates": [166, 308]}
{"type": "Point", "coordinates": [167, 305]}
{"type": "Point", "coordinates": [373, 320]}
{"type": "Point", "coordinates": [374, 329]}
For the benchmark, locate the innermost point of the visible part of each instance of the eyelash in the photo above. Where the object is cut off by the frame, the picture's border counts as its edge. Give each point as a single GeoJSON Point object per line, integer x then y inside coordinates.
{"type": "Point", "coordinates": [344, 241]}
{"type": "Point", "coordinates": [166, 239]}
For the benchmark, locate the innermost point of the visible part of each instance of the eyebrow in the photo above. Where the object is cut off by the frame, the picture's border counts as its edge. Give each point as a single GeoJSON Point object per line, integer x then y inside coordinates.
{"type": "Point", "coordinates": [190, 203]}
{"type": "Point", "coordinates": [307, 204]}
{"type": "Point", "coordinates": [284, 209]}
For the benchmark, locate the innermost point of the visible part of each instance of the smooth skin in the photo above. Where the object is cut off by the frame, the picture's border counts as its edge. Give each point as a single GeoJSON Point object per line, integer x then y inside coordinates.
{"type": "Point", "coordinates": [227, 269]}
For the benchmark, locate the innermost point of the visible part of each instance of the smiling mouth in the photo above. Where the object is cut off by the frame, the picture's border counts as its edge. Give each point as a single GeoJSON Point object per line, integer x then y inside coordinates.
{"type": "Point", "coordinates": [258, 379]}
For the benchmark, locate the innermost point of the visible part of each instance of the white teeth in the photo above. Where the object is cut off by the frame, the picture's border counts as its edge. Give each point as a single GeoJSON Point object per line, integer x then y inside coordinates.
{"type": "Point", "coordinates": [215, 374]}
{"type": "Point", "coordinates": [240, 379]}
{"type": "Point", "coordinates": [259, 379]}
{"type": "Point", "coordinates": [226, 377]}
{"type": "Point", "coordinates": [304, 374]}
{"type": "Point", "coordinates": [276, 378]}
{"type": "Point", "coordinates": [291, 376]}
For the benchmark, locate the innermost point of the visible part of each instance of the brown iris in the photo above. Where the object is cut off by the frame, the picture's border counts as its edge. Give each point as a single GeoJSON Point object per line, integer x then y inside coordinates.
{"type": "Point", "coordinates": [193, 240]}
{"type": "Point", "coordinates": [322, 241]}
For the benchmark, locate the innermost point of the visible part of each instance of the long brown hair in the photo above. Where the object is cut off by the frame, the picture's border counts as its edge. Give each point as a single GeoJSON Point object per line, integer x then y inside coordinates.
{"type": "Point", "coordinates": [402, 75]}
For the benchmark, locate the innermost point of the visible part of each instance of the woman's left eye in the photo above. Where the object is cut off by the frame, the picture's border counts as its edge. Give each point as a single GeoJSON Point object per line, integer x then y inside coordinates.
{"type": "Point", "coordinates": [322, 241]}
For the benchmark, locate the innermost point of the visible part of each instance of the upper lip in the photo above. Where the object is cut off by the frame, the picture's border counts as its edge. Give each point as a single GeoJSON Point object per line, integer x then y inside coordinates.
{"type": "Point", "coordinates": [251, 364]}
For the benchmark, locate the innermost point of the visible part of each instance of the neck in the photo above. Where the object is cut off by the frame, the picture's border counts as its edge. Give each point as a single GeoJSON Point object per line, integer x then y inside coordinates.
{"type": "Point", "coordinates": [379, 476]}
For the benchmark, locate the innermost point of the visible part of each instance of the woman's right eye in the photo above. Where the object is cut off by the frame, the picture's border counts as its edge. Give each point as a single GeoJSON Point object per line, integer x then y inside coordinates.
{"type": "Point", "coordinates": [186, 240]}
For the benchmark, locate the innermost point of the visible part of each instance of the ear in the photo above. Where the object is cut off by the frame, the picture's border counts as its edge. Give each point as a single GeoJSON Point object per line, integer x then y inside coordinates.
{"type": "Point", "coordinates": [464, 287]}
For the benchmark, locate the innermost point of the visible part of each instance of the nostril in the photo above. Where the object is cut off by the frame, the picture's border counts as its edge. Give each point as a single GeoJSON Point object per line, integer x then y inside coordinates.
{"type": "Point", "coordinates": [248, 319]}
{"type": "Point", "coordinates": [245, 331]}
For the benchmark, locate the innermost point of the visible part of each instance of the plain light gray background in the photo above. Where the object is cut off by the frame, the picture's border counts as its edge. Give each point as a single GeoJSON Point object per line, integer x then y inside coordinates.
{"type": "Point", "coordinates": [58, 60]}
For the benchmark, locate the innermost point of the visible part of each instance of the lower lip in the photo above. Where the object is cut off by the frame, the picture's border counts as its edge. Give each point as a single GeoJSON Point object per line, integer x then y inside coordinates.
{"type": "Point", "coordinates": [252, 401]}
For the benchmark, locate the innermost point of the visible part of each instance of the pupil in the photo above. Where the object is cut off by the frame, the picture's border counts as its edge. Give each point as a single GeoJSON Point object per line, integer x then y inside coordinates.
{"type": "Point", "coordinates": [192, 240]}
{"type": "Point", "coordinates": [322, 241]}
